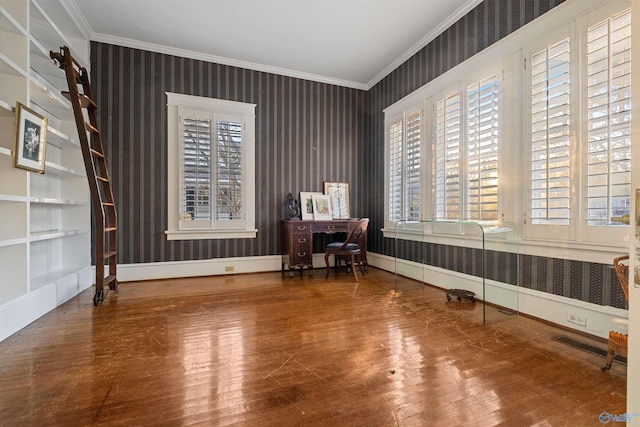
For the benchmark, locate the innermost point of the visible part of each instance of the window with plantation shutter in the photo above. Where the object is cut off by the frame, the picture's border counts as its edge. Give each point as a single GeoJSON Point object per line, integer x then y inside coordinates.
{"type": "Point", "coordinates": [465, 179]}
{"type": "Point", "coordinates": [404, 190]}
{"type": "Point", "coordinates": [214, 168]}
{"type": "Point", "coordinates": [608, 91]}
{"type": "Point", "coordinates": [551, 134]}
{"type": "Point", "coordinates": [534, 130]}
{"type": "Point", "coordinates": [580, 129]}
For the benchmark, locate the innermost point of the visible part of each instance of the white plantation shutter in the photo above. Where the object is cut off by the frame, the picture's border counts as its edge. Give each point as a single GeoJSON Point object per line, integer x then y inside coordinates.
{"type": "Point", "coordinates": [196, 169]}
{"type": "Point", "coordinates": [211, 171]}
{"type": "Point", "coordinates": [447, 161]}
{"type": "Point", "coordinates": [395, 169]}
{"type": "Point", "coordinates": [413, 187]}
{"type": "Point", "coordinates": [229, 203]}
{"type": "Point", "coordinates": [550, 134]}
{"type": "Point", "coordinates": [405, 179]}
{"type": "Point", "coordinates": [609, 119]}
{"type": "Point", "coordinates": [482, 150]}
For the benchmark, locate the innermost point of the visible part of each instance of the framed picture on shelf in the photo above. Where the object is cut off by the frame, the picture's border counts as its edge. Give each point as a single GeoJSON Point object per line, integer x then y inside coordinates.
{"type": "Point", "coordinates": [306, 204]}
{"type": "Point", "coordinates": [30, 139]}
{"type": "Point", "coordinates": [321, 207]}
{"type": "Point", "coordinates": [339, 195]}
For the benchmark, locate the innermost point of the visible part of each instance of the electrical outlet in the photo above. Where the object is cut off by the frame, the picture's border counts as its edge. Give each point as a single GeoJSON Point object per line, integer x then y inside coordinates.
{"type": "Point", "coordinates": [228, 268]}
{"type": "Point", "coordinates": [577, 319]}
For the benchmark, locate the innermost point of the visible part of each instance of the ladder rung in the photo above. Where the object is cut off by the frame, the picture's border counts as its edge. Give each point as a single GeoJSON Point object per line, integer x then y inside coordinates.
{"type": "Point", "coordinates": [91, 128]}
{"type": "Point", "coordinates": [85, 101]}
{"type": "Point", "coordinates": [109, 229]}
{"type": "Point", "coordinates": [102, 178]}
{"type": "Point", "coordinates": [97, 153]}
{"type": "Point", "coordinates": [109, 254]}
{"type": "Point", "coordinates": [110, 204]}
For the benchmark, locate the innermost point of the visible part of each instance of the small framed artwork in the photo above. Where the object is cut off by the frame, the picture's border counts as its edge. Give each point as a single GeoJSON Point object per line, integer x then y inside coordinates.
{"type": "Point", "coordinates": [30, 139]}
{"type": "Point", "coordinates": [339, 195]}
{"type": "Point", "coordinates": [321, 207]}
{"type": "Point", "coordinates": [306, 204]}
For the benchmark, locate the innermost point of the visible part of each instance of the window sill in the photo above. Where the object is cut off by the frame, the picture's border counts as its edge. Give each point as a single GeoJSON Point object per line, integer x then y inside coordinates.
{"type": "Point", "coordinates": [210, 234]}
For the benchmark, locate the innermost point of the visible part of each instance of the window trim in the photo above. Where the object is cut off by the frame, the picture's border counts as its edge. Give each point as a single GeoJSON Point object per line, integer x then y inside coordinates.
{"type": "Point", "coordinates": [216, 107]}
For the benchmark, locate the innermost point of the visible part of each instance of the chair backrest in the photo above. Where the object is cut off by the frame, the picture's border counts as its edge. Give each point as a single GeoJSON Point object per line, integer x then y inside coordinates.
{"type": "Point", "coordinates": [620, 264]}
{"type": "Point", "coordinates": [357, 234]}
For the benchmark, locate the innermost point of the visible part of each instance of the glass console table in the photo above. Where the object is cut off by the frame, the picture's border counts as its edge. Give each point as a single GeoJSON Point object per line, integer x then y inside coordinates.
{"type": "Point", "coordinates": [467, 258]}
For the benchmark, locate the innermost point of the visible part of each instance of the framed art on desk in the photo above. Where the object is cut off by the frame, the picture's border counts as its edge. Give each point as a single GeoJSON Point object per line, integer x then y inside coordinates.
{"type": "Point", "coordinates": [306, 204]}
{"type": "Point", "coordinates": [321, 207]}
{"type": "Point", "coordinates": [338, 193]}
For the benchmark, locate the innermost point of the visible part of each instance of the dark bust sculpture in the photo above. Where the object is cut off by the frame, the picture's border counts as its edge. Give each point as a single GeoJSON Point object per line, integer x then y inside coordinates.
{"type": "Point", "coordinates": [292, 208]}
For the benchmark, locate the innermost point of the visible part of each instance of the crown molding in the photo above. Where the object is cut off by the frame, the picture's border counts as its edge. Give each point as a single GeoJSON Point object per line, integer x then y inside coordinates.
{"type": "Point", "coordinates": [120, 41]}
{"type": "Point", "coordinates": [462, 11]}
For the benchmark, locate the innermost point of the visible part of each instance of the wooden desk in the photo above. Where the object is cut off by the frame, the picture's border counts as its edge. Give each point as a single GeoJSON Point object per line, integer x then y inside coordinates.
{"type": "Point", "coordinates": [297, 240]}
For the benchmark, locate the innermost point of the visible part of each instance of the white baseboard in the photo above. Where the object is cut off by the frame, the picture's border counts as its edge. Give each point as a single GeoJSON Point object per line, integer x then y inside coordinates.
{"type": "Point", "coordinates": [207, 267]}
{"type": "Point", "coordinates": [595, 319]}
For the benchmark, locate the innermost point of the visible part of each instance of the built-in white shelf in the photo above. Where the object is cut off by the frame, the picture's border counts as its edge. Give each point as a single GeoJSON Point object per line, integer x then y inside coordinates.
{"type": "Point", "coordinates": [53, 201]}
{"type": "Point", "coordinates": [9, 24]}
{"type": "Point", "coordinates": [40, 236]}
{"type": "Point", "coordinates": [9, 67]}
{"type": "Point", "coordinates": [12, 198]}
{"type": "Point", "coordinates": [6, 110]}
{"type": "Point", "coordinates": [56, 169]}
{"type": "Point", "coordinates": [12, 242]}
{"type": "Point", "coordinates": [60, 139]}
{"type": "Point", "coordinates": [45, 232]}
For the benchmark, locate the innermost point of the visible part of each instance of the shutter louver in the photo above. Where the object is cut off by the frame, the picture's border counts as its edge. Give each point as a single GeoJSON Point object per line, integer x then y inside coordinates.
{"type": "Point", "coordinates": [609, 119]}
{"type": "Point", "coordinates": [550, 134]}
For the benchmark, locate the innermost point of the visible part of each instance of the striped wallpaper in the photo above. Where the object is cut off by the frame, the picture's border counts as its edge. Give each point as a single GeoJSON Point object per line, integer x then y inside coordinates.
{"type": "Point", "coordinates": [306, 133]}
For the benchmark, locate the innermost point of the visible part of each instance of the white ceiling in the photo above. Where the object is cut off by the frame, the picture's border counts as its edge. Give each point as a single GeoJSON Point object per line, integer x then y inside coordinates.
{"type": "Point", "coordinates": [353, 43]}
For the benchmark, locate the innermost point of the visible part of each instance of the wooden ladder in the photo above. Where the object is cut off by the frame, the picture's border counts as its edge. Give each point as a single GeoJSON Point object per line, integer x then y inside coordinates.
{"type": "Point", "coordinates": [102, 203]}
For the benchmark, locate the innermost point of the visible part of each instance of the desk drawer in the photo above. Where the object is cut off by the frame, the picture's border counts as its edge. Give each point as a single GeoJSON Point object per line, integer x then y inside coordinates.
{"type": "Point", "coordinates": [301, 252]}
{"type": "Point", "coordinates": [330, 227]}
{"type": "Point", "coordinates": [301, 229]}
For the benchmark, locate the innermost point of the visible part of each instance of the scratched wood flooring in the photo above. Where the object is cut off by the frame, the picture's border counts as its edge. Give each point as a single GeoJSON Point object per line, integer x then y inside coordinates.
{"type": "Point", "coordinates": [267, 350]}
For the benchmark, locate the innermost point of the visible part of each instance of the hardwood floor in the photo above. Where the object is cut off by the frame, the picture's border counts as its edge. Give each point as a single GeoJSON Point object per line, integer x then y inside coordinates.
{"type": "Point", "coordinates": [267, 350]}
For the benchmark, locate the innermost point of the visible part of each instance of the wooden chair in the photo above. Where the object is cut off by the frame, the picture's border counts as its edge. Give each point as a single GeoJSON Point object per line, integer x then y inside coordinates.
{"type": "Point", "coordinates": [617, 341]}
{"type": "Point", "coordinates": [350, 249]}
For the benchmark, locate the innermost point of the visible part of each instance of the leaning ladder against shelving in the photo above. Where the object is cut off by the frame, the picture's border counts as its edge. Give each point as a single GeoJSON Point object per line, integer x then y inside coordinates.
{"type": "Point", "coordinates": [103, 206]}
